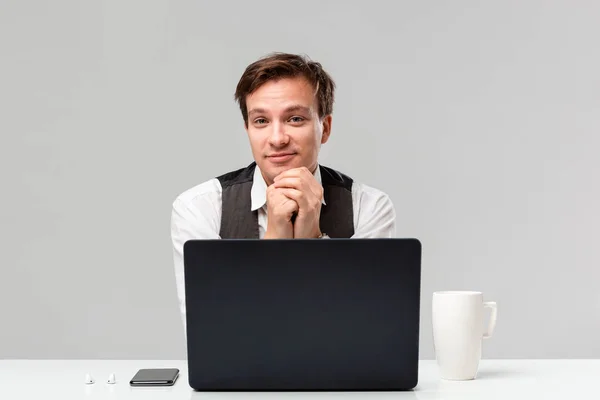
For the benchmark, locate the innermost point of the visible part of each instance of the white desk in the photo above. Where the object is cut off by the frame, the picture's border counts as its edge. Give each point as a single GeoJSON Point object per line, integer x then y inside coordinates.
{"type": "Point", "coordinates": [497, 379]}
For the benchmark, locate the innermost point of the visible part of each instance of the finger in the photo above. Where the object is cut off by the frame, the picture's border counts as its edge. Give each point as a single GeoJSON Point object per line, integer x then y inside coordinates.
{"type": "Point", "coordinates": [291, 205]}
{"type": "Point", "coordinates": [277, 195]}
{"type": "Point", "coordinates": [294, 172]}
{"type": "Point", "coordinates": [274, 193]}
{"type": "Point", "coordinates": [290, 182]}
{"type": "Point", "coordinates": [301, 174]}
{"type": "Point", "coordinates": [306, 181]}
{"type": "Point", "coordinates": [296, 195]}
{"type": "Point", "coordinates": [313, 190]}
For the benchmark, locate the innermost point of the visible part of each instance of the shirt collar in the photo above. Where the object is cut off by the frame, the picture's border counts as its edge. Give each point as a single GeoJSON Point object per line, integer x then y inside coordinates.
{"type": "Point", "coordinates": [258, 193]}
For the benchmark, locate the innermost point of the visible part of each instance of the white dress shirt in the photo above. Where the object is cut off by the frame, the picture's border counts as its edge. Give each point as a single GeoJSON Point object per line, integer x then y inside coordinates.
{"type": "Point", "coordinates": [197, 215]}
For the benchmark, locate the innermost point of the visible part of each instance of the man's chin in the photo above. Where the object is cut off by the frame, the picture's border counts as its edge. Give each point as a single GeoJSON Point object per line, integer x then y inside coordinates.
{"type": "Point", "coordinates": [271, 171]}
{"type": "Point", "coordinates": [277, 170]}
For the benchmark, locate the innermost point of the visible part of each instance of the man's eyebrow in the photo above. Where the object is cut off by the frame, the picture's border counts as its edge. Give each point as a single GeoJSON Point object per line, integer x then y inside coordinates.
{"type": "Point", "coordinates": [295, 107]}
{"type": "Point", "coordinates": [257, 111]}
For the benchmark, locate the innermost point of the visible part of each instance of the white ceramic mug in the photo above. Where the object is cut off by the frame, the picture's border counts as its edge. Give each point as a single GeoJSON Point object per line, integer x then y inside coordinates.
{"type": "Point", "coordinates": [457, 318]}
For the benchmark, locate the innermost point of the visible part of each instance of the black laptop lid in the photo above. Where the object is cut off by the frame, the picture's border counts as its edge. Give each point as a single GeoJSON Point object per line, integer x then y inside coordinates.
{"type": "Point", "coordinates": [331, 314]}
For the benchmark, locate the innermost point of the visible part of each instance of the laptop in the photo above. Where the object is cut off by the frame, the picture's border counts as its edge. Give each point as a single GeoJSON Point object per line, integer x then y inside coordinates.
{"type": "Point", "coordinates": [303, 314]}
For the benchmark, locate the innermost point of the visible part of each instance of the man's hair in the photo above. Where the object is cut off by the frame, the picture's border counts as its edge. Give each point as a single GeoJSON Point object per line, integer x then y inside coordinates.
{"type": "Point", "coordinates": [277, 66]}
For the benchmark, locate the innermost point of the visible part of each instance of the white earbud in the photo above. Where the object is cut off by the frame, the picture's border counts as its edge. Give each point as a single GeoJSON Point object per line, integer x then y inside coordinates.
{"type": "Point", "coordinates": [89, 380]}
{"type": "Point", "coordinates": [111, 379]}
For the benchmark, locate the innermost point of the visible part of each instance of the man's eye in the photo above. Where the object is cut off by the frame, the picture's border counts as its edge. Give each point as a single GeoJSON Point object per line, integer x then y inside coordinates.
{"type": "Point", "coordinates": [296, 119]}
{"type": "Point", "coordinates": [260, 121]}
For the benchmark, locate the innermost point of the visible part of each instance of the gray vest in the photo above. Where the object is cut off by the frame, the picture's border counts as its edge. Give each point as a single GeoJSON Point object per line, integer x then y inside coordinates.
{"type": "Point", "coordinates": [238, 221]}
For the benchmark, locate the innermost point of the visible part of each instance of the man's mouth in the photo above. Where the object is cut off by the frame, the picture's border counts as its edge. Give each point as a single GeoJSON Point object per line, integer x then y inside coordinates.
{"type": "Point", "coordinates": [280, 157]}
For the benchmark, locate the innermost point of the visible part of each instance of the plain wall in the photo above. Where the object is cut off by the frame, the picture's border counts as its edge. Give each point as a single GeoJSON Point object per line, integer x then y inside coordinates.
{"type": "Point", "coordinates": [480, 120]}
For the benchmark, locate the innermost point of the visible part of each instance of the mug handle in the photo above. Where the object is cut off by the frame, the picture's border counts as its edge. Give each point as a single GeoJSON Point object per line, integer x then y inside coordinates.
{"type": "Point", "coordinates": [492, 324]}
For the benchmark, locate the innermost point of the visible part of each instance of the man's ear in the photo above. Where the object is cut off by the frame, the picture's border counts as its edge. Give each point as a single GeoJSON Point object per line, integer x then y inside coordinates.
{"type": "Point", "coordinates": [326, 128]}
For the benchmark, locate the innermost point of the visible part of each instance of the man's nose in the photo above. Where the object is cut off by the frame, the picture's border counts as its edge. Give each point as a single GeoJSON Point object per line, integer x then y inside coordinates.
{"type": "Point", "coordinates": [278, 135]}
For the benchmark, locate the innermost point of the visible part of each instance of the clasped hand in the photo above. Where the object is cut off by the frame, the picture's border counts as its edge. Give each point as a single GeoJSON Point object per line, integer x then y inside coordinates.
{"type": "Point", "coordinates": [294, 205]}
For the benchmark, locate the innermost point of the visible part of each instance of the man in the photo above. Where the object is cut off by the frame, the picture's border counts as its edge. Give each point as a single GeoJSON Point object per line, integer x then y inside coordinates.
{"type": "Point", "coordinates": [286, 103]}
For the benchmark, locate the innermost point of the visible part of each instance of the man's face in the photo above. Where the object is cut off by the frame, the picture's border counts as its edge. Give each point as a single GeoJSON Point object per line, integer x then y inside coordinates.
{"type": "Point", "coordinates": [284, 127]}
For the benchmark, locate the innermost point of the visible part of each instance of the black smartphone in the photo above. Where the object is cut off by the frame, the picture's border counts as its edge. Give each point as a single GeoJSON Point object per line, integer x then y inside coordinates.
{"type": "Point", "coordinates": [155, 377]}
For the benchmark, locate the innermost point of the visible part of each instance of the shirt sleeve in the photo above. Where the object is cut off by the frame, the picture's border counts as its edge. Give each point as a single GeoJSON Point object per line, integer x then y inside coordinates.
{"type": "Point", "coordinates": [374, 213]}
{"type": "Point", "coordinates": [196, 218]}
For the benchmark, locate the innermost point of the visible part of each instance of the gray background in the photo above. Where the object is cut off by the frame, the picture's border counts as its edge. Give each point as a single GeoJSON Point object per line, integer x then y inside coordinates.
{"type": "Point", "coordinates": [481, 121]}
